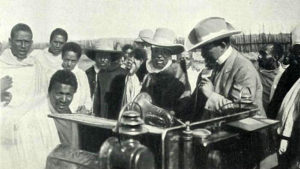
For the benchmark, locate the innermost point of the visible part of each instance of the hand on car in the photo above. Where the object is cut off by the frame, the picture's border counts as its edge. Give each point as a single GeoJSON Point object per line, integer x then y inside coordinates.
{"type": "Point", "coordinates": [6, 83]}
{"type": "Point", "coordinates": [6, 97]}
{"type": "Point", "coordinates": [83, 110]}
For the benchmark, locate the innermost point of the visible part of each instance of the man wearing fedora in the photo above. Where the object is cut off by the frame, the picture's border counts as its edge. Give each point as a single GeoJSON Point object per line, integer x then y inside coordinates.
{"type": "Point", "coordinates": [106, 79]}
{"type": "Point", "coordinates": [166, 82]}
{"type": "Point", "coordinates": [231, 71]}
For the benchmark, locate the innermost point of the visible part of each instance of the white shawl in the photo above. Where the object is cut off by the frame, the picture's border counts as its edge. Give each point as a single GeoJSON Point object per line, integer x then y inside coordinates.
{"type": "Point", "coordinates": [82, 97]}
{"type": "Point", "coordinates": [48, 61]}
{"type": "Point", "coordinates": [24, 125]}
{"type": "Point", "coordinates": [132, 89]}
{"type": "Point", "coordinates": [287, 113]}
{"type": "Point", "coordinates": [27, 89]}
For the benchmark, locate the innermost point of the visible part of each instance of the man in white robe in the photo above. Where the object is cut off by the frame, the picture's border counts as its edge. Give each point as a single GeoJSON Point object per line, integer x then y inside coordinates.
{"type": "Point", "coordinates": [50, 58]}
{"type": "Point", "coordinates": [27, 135]}
{"type": "Point", "coordinates": [71, 54]}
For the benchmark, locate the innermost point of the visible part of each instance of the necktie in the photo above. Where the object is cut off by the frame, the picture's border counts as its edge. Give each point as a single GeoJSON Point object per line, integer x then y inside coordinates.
{"type": "Point", "coordinates": [96, 97]}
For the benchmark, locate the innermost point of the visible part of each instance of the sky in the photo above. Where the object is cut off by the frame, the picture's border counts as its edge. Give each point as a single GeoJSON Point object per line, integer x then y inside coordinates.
{"type": "Point", "coordinates": [93, 19]}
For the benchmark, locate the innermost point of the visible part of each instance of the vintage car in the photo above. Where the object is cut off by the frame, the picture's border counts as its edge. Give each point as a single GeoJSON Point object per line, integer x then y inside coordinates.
{"type": "Point", "coordinates": [238, 139]}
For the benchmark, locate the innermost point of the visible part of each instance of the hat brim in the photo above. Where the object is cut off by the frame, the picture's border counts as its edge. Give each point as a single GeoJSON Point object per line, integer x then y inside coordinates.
{"type": "Point", "coordinates": [190, 46]}
{"type": "Point", "coordinates": [90, 53]}
{"type": "Point", "coordinates": [138, 40]}
{"type": "Point", "coordinates": [175, 48]}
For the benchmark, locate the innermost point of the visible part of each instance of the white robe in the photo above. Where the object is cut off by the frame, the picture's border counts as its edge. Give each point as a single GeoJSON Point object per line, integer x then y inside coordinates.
{"type": "Point", "coordinates": [82, 97]}
{"type": "Point", "coordinates": [49, 62]}
{"type": "Point", "coordinates": [287, 114]}
{"type": "Point", "coordinates": [132, 89]}
{"type": "Point", "coordinates": [27, 135]}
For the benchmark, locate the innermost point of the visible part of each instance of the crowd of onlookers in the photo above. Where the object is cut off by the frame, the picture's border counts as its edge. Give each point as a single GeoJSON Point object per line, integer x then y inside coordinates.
{"type": "Point", "coordinates": [181, 80]}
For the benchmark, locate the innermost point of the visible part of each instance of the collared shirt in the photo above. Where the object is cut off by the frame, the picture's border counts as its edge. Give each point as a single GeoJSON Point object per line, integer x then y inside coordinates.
{"type": "Point", "coordinates": [224, 56]}
{"type": "Point", "coordinates": [97, 70]}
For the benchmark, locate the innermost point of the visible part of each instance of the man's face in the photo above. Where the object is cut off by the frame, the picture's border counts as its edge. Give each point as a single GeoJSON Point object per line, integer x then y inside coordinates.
{"type": "Point", "coordinates": [61, 96]}
{"type": "Point", "coordinates": [136, 64]}
{"type": "Point", "coordinates": [127, 53]}
{"type": "Point", "coordinates": [20, 44]}
{"type": "Point", "coordinates": [268, 52]}
{"type": "Point", "coordinates": [70, 59]}
{"type": "Point", "coordinates": [160, 57]}
{"type": "Point", "coordinates": [211, 52]}
{"type": "Point", "coordinates": [188, 58]}
{"type": "Point", "coordinates": [103, 60]}
{"type": "Point", "coordinates": [56, 44]}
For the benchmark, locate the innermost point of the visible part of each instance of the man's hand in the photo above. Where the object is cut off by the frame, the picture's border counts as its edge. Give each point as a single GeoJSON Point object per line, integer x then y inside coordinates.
{"type": "Point", "coordinates": [206, 86]}
{"type": "Point", "coordinates": [6, 83]}
{"type": "Point", "coordinates": [83, 110]}
{"type": "Point", "coordinates": [283, 146]}
{"type": "Point", "coordinates": [6, 97]}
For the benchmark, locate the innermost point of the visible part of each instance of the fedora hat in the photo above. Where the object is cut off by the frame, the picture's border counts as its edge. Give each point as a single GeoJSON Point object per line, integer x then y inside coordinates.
{"type": "Point", "coordinates": [145, 33]}
{"type": "Point", "coordinates": [102, 47]}
{"type": "Point", "coordinates": [164, 37]}
{"type": "Point", "coordinates": [209, 30]}
{"type": "Point", "coordinates": [296, 35]}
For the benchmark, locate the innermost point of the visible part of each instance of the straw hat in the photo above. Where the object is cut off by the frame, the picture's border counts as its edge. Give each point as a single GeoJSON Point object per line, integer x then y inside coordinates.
{"type": "Point", "coordinates": [145, 33]}
{"type": "Point", "coordinates": [101, 47]}
{"type": "Point", "coordinates": [209, 30]}
{"type": "Point", "coordinates": [296, 35]}
{"type": "Point", "coordinates": [164, 37]}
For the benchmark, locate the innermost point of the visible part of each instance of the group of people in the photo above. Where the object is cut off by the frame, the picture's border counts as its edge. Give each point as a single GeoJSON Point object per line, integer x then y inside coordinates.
{"type": "Point", "coordinates": [35, 84]}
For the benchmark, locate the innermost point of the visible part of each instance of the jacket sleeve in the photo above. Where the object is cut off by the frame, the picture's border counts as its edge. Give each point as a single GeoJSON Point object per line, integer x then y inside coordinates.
{"type": "Point", "coordinates": [244, 78]}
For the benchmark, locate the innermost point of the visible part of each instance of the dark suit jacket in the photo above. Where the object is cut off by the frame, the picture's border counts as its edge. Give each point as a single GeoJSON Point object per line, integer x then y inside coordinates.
{"type": "Point", "coordinates": [111, 84]}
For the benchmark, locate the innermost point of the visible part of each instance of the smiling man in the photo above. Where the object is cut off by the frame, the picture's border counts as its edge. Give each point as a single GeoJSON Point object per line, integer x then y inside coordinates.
{"type": "Point", "coordinates": [63, 85]}
{"type": "Point", "coordinates": [166, 82]}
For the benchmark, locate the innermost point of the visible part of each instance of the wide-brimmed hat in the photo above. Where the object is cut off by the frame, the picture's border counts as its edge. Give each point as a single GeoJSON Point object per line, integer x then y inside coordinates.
{"type": "Point", "coordinates": [102, 47]}
{"type": "Point", "coordinates": [209, 30]}
{"type": "Point", "coordinates": [296, 35]}
{"type": "Point", "coordinates": [145, 33]}
{"type": "Point", "coordinates": [164, 37]}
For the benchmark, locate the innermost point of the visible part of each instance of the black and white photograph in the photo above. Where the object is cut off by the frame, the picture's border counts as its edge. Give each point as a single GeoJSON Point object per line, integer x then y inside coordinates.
{"type": "Point", "coordinates": [150, 84]}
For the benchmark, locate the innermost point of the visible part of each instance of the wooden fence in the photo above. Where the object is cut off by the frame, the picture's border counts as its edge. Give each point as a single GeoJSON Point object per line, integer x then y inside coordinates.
{"type": "Point", "coordinates": [254, 42]}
